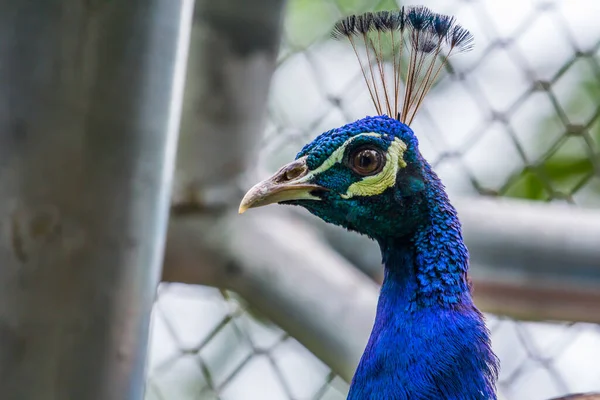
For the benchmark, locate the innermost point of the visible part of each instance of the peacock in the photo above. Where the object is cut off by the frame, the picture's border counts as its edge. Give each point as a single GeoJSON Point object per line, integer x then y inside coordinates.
{"type": "Point", "coordinates": [429, 340]}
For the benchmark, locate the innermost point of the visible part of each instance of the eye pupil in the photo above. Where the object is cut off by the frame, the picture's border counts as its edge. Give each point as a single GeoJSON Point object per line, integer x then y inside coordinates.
{"type": "Point", "coordinates": [366, 162]}
{"type": "Point", "coordinates": [366, 159]}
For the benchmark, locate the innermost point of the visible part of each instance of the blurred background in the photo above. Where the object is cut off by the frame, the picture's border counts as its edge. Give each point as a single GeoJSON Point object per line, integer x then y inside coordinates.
{"type": "Point", "coordinates": [514, 121]}
{"type": "Point", "coordinates": [102, 102]}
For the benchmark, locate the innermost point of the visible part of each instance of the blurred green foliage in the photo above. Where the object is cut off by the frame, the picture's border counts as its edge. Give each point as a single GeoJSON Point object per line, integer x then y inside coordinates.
{"type": "Point", "coordinates": [308, 21]}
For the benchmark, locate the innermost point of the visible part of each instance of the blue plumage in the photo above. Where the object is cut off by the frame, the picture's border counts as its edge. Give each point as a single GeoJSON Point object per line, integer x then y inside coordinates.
{"type": "Point", "coordinates": [429, 341]}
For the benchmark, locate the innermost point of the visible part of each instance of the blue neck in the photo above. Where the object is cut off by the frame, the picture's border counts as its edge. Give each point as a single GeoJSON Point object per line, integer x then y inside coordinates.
{"type": "Point", "coordinates": [429, 341]}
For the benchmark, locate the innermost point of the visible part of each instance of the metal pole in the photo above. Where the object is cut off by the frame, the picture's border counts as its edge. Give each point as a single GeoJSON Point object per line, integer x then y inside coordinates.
{"type": "Point", "coordinates": [285, 268]}
{"type": "Point", "coordinates": [507, 239]}
{"type": "Point", "coordinates": [88, 133]}
{"type": "Point", "coordinates": [232, 58]}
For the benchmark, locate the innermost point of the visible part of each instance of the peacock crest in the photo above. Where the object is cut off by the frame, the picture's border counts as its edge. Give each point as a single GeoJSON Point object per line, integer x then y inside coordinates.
{"type": "Point", "coordinates": [407, 48]}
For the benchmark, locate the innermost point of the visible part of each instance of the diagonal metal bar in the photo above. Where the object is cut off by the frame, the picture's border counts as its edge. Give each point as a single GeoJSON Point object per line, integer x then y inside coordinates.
{"type": "Point", "coordinates": [91, 94]}
{"type": "Point", "coordinates": [281, 266]}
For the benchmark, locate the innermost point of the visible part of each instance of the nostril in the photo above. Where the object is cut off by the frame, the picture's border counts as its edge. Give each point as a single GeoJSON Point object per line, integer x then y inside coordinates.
{"type": "Point", "coordinates": [294, 172]}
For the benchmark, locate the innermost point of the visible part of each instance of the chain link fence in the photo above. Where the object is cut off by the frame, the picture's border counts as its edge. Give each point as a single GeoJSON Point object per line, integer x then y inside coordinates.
{"type": "Point", "coordinates": [519, 116]}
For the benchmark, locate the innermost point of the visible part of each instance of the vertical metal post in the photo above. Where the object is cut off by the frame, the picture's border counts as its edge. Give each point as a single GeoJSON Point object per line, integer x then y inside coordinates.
{"type": "Point", "coordinates": [233, 53]}
{"type": "Point", "coordinates": [90, 94]}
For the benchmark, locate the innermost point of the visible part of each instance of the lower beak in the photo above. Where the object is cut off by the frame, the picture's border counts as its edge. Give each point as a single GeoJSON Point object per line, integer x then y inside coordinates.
{"type": "Point", "coordinates": [289, 183]}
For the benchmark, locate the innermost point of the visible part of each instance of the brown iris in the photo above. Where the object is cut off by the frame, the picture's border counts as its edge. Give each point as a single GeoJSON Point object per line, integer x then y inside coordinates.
{"type": "Point", "coordinates": [366, 161]}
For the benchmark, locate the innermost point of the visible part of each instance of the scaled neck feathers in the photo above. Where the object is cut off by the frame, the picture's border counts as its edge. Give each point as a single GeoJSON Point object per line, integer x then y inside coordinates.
{"type": "Point", "coordinates": [429, 341]}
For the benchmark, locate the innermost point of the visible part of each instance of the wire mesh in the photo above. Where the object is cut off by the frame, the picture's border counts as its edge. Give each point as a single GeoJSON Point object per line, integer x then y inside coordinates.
{"type": "Point", "coordinates": [519, 116]}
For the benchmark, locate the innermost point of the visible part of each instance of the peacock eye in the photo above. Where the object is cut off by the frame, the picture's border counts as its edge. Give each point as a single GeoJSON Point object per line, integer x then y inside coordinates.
{"type": "Point", "coordinates": [366, 161]}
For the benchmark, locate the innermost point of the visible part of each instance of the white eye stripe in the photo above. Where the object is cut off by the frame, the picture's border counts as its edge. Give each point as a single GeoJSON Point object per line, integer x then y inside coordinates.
{"type": "Point", "coordinates": [335, 157]}
{"type": "Point", "coordinates": [369, 185]}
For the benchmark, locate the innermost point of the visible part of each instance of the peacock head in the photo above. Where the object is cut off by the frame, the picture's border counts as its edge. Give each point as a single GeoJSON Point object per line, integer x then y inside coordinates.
{"type": "Point", "coordinates": [366, 176]}
{"type": "Point", "coordinates": [369, 176]}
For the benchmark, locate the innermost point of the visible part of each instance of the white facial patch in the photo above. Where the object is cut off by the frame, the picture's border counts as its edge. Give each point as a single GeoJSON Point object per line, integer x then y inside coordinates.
{"type": "Point", "coordinates": [335, 157]}
{"type": "Point", "coordinates": [369, 185]}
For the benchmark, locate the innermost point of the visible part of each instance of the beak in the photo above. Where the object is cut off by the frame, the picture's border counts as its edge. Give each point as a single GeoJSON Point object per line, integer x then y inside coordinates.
{"type": "Point", "coordinates": [289, 183]}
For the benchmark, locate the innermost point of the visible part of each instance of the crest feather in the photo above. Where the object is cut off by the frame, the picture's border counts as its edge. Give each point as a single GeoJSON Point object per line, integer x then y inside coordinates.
{"type": "Point", "coordinates": [414, 42]}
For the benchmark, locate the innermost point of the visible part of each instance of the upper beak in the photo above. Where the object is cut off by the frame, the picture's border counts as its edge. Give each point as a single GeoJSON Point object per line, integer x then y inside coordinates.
{"type": "Point", "coordinates": [289, 183]}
